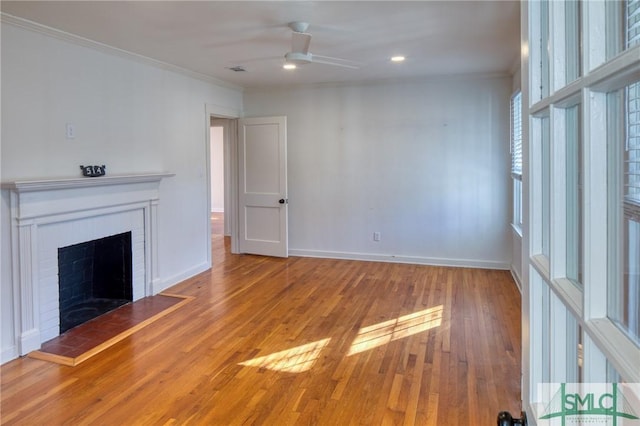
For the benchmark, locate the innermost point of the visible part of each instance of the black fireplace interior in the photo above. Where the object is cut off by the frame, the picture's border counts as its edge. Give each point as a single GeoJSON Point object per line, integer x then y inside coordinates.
{"type": "Point", "coordinates": [94, 278]}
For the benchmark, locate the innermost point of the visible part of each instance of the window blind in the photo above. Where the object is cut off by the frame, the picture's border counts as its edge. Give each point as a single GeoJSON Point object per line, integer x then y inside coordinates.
{"type": "Point", "coordinates": [516, 135]}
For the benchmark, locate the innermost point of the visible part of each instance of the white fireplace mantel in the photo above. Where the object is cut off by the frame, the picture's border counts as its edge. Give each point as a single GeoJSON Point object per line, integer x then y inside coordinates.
{"type": "Point", "coordinates": [47, 213]}
{"type": "Point", "coordinates": [81, 182]}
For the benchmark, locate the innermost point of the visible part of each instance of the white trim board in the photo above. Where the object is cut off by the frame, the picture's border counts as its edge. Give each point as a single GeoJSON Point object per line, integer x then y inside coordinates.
{"type": "Point", "coordinates": [432, 261]}
{"type": "Point", "coordinates": [184, 275]}
{"type": "Point", "coordinates": [517, 279]}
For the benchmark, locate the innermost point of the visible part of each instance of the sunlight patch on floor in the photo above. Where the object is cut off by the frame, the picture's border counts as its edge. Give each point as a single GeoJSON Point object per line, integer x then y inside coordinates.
{"type": "Point", "coordinates": [302, 358]}
{"type": "Point", "coordinates": [294, 360]}
{"type": "Point", "coordinates": [382, 333]}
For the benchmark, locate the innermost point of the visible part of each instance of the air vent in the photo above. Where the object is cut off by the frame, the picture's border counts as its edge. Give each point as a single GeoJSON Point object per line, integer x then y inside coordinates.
{"type": "Point", "coordinates": [237, 68]}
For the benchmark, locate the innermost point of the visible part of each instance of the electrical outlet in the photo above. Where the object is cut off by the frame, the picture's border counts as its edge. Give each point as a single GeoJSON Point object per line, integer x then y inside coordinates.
{"type": "Point", "coordinates": [376, 236]}
{"type": "Point", "coordinates": [71, 131]}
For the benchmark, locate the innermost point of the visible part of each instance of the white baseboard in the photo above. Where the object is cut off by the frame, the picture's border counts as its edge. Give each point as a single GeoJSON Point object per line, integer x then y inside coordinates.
{"type": "Point", "coordinates": [517, 279]}
{"type": "Point", "coordinates": [178, 278]}
{"type": "Point", "coordinates": [435, 261]}
{"type": "Point", "coordinates": [9, 354]}
{"type": "Point", "coordinates": [29, 341]}
{"type": "Point", "coordinates": [217, 210]}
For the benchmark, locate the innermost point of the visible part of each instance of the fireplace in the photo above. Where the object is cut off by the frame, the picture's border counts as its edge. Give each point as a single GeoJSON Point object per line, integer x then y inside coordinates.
{"type": "Point", "coordinates": [49, 215]}
{"type": "Point", "coordinates": [94, 277]}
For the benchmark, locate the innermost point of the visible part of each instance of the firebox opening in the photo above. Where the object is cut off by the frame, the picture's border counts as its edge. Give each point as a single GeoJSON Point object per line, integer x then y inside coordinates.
{"type": "Point", "coordinates": [94, 278]}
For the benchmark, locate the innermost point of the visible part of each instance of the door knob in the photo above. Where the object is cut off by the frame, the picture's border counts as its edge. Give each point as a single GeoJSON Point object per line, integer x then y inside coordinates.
{"type": "Point", "coordinates": [282, 201]}
{"type": "Point", "coordinates": [506, 419]}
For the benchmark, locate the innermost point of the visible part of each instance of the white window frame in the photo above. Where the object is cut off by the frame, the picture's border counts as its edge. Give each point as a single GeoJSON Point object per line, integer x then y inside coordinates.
{"type": "Point", "coordinates": [549, 297]}
{"type": "Point", "coordinates": [516, 159]}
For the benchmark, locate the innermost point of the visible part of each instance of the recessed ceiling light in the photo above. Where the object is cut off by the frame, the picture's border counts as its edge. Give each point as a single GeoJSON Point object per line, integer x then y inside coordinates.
{"type": "Point", "coordinates": [397, 58]}
{"type": "Point", "coordinates": [289, 66]}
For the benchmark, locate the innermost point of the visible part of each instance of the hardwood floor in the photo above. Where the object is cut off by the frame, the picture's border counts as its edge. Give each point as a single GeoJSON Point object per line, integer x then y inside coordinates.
{"type": "Point", "coordinates": [217, 223]}
{"type": "Point", "coordinates": [297, 341]}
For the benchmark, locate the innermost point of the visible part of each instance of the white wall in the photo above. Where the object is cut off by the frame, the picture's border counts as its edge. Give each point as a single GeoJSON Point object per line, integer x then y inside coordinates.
{"type": "Point", "coordinates": [130, 115]}
{"type": "Point", "coordinates": [425, 163]}
{"type": "Point", "coordinates": [217, 169]}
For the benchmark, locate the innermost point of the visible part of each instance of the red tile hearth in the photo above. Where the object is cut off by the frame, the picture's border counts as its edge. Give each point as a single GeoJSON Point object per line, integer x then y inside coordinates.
{"type": "Point", "coordinates": [82, 342]}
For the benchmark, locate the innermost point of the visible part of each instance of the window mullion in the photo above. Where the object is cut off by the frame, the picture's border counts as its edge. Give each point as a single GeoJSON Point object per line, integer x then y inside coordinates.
{"type": "Point", "coordinates": [557, 195]}
{"type": "Point", "coordinates": [595, 198]}
{"type": "Point", "coordinates": [594, 39]}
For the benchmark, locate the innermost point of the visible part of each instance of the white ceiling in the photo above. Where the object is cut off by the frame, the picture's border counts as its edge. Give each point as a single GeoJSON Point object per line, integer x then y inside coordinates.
{"type": "Point", "coordinates": [437, 37]}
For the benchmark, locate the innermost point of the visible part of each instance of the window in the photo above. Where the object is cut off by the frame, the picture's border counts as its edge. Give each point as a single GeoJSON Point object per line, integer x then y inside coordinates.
{"type": "Point", "coordinates": [545, 202]}
{"type": "Point", "coordinates": [624, 210]}
{"type": "Point", "coordinates": [581, 91]}
{"type": "Point", "coordinates": [517, 204]}
{"type": "Point", "coordinates": [623, 26]}
{"type": "Point", "coordinates": [572, 38]}
{"type": "Point", "coordinates": [623, 305]}
{"type": "Point", "coordinates": [516, 158]}
{"type": "Point", "coordinates": [632, 23]}
{"type": "Point", "coordinates": [544, 49]}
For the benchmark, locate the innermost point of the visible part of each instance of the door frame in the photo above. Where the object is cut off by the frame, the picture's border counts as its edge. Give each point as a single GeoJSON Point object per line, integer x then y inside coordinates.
{"type": "Point", "coordinates": [230, 172]}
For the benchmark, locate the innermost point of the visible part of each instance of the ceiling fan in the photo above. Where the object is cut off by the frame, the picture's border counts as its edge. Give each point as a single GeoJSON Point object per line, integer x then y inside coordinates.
{"type": "Point", "coordinates": [300, 55]}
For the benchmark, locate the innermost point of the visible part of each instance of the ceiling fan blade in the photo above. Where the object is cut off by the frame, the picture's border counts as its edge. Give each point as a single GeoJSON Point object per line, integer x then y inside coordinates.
{"type": "Point", "coordinates": [300, 42]}
{"type": "Point", "coordinates": [257, 59]}
{"type": "Point", "coordinates": [328, 60]}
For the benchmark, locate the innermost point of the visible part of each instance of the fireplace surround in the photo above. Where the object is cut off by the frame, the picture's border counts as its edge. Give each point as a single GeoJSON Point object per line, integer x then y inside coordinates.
{"type": "Point", "coordinates": [47, 215]}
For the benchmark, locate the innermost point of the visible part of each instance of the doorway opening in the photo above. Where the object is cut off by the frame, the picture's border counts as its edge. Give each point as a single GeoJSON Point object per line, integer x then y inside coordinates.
{"type": "Point", "coordinates": [220, 155]}
{"type": "Point", "coordinates": [217, 134]}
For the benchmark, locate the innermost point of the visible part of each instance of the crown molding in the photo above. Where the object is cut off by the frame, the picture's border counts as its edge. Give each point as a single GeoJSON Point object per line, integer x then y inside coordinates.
{"type": "Point", "coordinates": [6, 18]}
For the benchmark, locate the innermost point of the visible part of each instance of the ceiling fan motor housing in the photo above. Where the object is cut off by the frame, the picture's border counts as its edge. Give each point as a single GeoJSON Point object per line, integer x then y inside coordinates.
{"type": "Point", "coordinates": [299, 26]}
{"type": "Point", "coordinates": [298, 58]}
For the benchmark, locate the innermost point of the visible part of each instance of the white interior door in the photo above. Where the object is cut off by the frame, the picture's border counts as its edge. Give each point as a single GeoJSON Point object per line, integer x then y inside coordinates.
{"type": "Point", "coordinates": [262, 171]}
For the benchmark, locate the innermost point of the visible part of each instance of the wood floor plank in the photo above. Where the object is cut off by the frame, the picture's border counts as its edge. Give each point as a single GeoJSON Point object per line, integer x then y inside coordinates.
{"type": "Point", "coordinates": [297, 341]}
